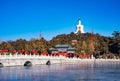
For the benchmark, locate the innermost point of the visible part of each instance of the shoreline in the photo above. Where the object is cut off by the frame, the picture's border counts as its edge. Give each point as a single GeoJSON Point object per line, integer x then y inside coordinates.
{"type": "Point", "coordinates": [77, 61]}
{"type": "Point", "coordinates": [22, 60]}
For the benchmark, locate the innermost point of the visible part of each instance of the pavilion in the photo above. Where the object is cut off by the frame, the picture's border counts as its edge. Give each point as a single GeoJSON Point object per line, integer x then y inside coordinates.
{"type": "Point", "coordinates": [62, 48]}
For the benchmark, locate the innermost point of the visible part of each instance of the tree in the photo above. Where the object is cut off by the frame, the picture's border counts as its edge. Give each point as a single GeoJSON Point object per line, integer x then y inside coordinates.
{"type": "Point", "coordinates": [84, 47]}
{"type": "Point", "coordinates": [78, 47]}
{"type": "Point", "coordinates": [43, 44]}
{"type": "Point", "coordinates": [116, 34]}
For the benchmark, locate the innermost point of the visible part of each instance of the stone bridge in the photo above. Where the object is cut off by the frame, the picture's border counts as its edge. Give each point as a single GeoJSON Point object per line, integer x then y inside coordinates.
{"type": "Point", "coordinates": [21, 60]}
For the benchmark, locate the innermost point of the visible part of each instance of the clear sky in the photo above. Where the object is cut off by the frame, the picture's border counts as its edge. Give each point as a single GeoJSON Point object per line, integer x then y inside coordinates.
{"type": "Point", "coordinates": [27, 18]}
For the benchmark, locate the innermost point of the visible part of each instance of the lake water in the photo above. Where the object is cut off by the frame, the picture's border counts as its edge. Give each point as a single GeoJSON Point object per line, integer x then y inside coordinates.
{"type": "Point", "coordinates": [109, 71]}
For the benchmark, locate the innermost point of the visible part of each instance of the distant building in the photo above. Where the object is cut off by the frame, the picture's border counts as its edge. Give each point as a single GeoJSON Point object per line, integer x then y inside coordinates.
{"type": "Point", "coordinates": [80, 27]}
{"type": "Point", "coordinates": [62, 48]}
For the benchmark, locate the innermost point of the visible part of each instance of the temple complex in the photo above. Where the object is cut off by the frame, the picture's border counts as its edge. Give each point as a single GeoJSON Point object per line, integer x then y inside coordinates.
{"type": "Point", "coordinates": [63, 48]}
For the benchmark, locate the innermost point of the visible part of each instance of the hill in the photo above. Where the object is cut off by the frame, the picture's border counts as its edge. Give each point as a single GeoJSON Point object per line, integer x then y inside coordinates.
{"type": "Point", "coordinates": [84, 43]}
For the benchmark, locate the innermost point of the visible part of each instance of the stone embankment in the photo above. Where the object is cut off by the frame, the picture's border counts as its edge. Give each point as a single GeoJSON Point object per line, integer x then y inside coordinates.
{"type": "Point", "coordinates": [21, 60]}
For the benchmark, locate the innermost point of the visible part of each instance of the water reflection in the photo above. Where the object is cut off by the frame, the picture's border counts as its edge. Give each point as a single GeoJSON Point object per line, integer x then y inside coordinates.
{"type": "Point", "coordinates": [63, 72]}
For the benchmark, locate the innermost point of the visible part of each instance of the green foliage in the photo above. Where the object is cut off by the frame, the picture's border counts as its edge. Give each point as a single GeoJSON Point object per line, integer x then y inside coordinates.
{"type": "Point", "coordinates": [83, 44]}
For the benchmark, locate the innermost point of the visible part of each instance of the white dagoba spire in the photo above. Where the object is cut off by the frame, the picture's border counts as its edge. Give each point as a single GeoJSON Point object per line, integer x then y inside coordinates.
{"type": "Point", "coordinates": [79, 27]}
{"type": "Point", "coordinates": [79, 22]}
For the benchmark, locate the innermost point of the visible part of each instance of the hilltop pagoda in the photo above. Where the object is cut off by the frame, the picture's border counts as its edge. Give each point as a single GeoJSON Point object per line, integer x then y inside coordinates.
{"type": "Point", "coordinates": [79, 27]}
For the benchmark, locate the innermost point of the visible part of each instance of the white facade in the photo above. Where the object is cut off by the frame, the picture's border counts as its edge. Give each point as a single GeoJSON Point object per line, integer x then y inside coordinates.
{"type": "Point", "coordinates": [80, 27]}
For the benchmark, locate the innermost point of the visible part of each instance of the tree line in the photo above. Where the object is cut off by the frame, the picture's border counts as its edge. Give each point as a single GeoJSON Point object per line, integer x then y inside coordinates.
{"type": "Point", "coordinates": [87, 43]}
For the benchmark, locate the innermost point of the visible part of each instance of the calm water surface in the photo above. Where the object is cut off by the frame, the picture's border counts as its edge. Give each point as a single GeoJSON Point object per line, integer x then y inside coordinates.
{"type": "Point", "coordinates": [63, 72]}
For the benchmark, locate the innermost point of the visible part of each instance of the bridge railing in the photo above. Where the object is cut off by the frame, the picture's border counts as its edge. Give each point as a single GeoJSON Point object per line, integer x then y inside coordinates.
{"type": "Point", "coordinates": [11, 56]}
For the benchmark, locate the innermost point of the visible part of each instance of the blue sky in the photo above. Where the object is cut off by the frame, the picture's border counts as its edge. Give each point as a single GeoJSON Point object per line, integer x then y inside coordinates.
{"type": "Point", "coordinates": [27, 18]}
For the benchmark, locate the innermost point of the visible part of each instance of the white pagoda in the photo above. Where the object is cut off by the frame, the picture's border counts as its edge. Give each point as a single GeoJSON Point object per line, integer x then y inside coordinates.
{"type": "Point", "coordinates": [79, 27]}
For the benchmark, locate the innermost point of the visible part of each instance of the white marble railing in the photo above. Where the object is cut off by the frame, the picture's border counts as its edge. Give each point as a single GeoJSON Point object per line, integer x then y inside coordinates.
{"type": "Point", "coordinates": [19, 59]}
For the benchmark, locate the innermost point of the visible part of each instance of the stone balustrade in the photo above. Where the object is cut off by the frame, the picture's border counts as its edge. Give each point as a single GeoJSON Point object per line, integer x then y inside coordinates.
{"type": "Point", "coordinates": [20, 60]}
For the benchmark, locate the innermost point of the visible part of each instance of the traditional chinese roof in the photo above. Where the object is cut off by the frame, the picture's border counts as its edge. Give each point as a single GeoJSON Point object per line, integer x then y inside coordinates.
{"type": "Point", "coordinates": [71, 49]}
{"type": "Point", "coordinates": [62, 46]}
{"type": "Point", "coordinates": [53, 49]}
